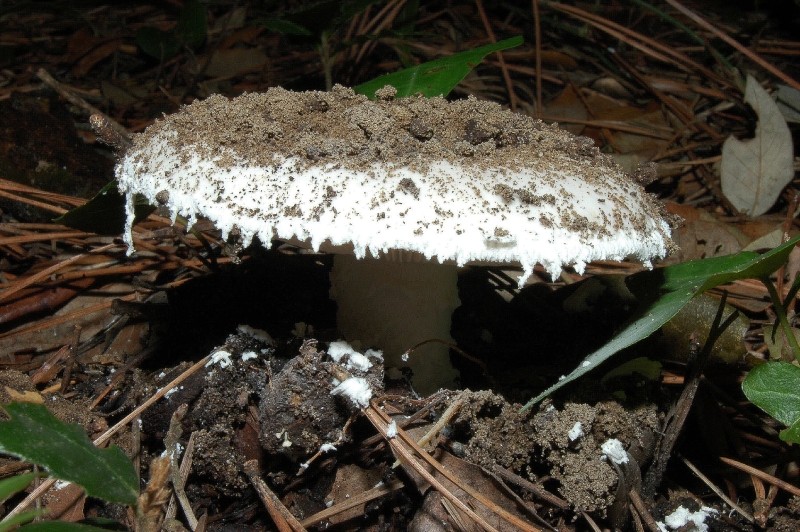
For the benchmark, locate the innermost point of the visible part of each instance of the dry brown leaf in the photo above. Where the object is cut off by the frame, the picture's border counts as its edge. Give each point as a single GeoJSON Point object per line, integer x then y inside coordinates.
{"type": "Point", "coordinates": [31, 396]}
{"type": "Point", "coordinates": [703, 236]}
{"type": "Point", "coordinates": [565, 106]}
{"type": "Point", "coordinates": [25, 338]}
{"type": "Point", "coordinates": [235, 61]}
{"type": "Point", "coordinates": [753, 172]}
{"type": "Point", "coordinates": [479, 480]}
{"type": "Point", "coordinates": [351, 480]}
{"type": "Point", "coordinates": [65, 502]}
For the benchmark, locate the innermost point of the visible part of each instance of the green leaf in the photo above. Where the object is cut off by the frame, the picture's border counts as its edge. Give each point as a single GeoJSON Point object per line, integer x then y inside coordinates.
{"type": "Point", "coordinates": [435, 78]}
{"type": "Point", "coordinates": [192, 24]}
{"type": "Point", "coordinates": [156, 43]}
{"type": "Point", "coordinates": [663, 292]}
{"type": "Point", "coordinates": [20, 519]}
{"type": "Point", "coordinates": [647, 368]}
{"type": "Point", "coordinates": [35, 435]}
{"type": "Point", "coordinates": [774, 387]}
{"type": "Point", "coordinates": [190, 31]}
{"type": "Point", "coordinates": [10, 486]}
{"type": "Point", "coordinates": [104, 214]}
{"type": "Point", "coordinates": [791, 434]}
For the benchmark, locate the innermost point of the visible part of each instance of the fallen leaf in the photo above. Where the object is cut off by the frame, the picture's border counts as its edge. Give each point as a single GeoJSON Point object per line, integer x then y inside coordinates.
{"type": "Point", "coordinates": [565, 106]}
{"type": "Point", "coordinates": [788, 100]}
{"type": "Point", "coordinates": [235, 61]}
{"type": "Point", "coordinates": [351, 480]}
{"type": "Point", "coordinates": [66, 502]}
{"type": "Point", "coordinates": [29, 396]}
{"type": "Point", "coordinates": [753, 172]}
{"type": "Point", "coordinates": [701, 235]}
{"type": "Point", "coordinates": [779, 348]}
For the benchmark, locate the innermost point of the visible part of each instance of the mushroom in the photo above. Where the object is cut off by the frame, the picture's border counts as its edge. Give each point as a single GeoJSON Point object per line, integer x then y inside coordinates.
{"type": "Point", "coordinates": [405, 191]}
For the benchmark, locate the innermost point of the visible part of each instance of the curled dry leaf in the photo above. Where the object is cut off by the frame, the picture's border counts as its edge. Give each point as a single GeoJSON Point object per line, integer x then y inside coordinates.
{"type": "Point", "coordinates": [753, 172]}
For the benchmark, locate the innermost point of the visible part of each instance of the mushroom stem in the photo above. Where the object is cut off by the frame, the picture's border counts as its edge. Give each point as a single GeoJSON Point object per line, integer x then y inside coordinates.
{"type": "Point", "coordinates": [393, 305]}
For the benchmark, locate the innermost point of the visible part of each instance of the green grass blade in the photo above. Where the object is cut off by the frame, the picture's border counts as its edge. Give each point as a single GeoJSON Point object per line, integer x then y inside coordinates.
{"type": "Point", "coordinates": [10, 486]}
{"type": "Point", "coordinates": [20, 519]}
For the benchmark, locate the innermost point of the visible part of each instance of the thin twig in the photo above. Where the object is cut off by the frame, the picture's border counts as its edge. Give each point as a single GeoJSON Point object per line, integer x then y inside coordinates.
{"type": "Point", "coordinates": [44, 274]}
{"type": "Point", "coordinates": [103, 438]}
{"type": "Point", "coordinates": [283, 519]}
{"type": "Point", "coordinates": [715, 489]}
{"type": "Point", "coordinates": [677, 416]}
{"type": "Point", "coordinates": [380, 490]}
{"type": "Point", "coordinates": [651, 47]}
{"type": "Point", "coordinates": [537, 31]}
{"type": "Point", "coordinates": [525, 484]}
{"type": "Point", "coordinates": [380, 423]}
{"type": "Point", "coordinates": [766, 477]}
{"type": "Point", "coordinates": [763, 63]}
{"type": "Point", "coordinates": [641, 509]}
{"type": "Point", "coordinates": [380, 420]}
{"type": "Point", "coordinates": [512, 96]}
{"type": "Point", "coordinates": [68, 95]}
{"type": "Point", "coordinates": [172, 448]}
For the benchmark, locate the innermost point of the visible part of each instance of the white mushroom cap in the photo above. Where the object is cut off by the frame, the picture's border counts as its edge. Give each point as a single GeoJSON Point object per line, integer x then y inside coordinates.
{"type": "Point", "coordinates": [460, 181]}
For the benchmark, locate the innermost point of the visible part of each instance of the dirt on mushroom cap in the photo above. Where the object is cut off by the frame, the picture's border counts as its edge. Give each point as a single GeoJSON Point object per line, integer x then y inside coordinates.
{"type": "Point", "coordinates": [408, 154]}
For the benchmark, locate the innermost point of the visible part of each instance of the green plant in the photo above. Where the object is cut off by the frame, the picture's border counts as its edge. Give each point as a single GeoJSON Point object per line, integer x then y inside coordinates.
{"type": "Point", "coordinates": [663, 292]}
{"type": "Point", "coordinates": [189, 32]}
{"type": "Point", "coordinates": [9, 487]}
{"type": "Point", "coordinates": [316, 22]}
{"type": "Point", "coordinates": [774, 386]}
{"type": "Point", "coordinates": [34, 434]}
{"type": "Point", "coordinates": [438, 77]}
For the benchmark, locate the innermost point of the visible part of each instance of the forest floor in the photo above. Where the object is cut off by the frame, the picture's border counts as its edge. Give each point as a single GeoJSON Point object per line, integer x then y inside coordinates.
{"type": "Point", "coordinates": [127, 343]}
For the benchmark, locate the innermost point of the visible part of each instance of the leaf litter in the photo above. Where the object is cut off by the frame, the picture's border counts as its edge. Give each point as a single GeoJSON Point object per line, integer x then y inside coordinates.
{"type": "Point", "coordinates": [684, 132]}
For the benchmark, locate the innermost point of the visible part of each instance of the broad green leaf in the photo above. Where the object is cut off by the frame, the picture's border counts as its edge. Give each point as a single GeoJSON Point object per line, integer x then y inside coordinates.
{"type": "Point", "coordinates": [435, 78]}
{"type": "Point", "coordinates": [663, 292]}
{"type": "Point", "coordinates": [791, 434]}
{"type": "Point", "coordinates": [774, 387]}
{"type": "Point", "coordinates": [104, 214]}
{"type": "Point", "coordinates": [35, 435]}
{"type": "Point", "coordinates": [10, 486]}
